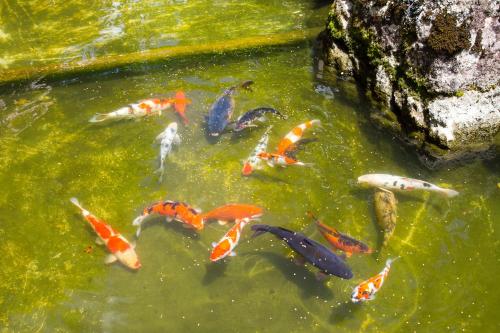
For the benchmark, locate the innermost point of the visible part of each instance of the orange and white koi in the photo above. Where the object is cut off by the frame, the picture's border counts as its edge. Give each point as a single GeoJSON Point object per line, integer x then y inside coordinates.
{"type": "Point", "coordinates": [143, 108]}
{"type": "Point", "coordinates": [233, 212]}
{"type": "Point", "coordinates": [173, 210]}
{"type": "Point", "coordinates": [254, 162]}
{"type": "Point", "coordinates": [282, 160]}
{"type": "Point", "coordinates": [366, 290]}
{"type": "Point", "coordinates": [119, 247]}
{"type": "Point", "coordinates": [227, 244]}
{"type": "Point", "coordinates": [287, 145]}
{"type": "Point", "coordinates": [180, 103]}
{"type": "Point", "coordinates": [390, 182]}
{"type": "Point", "coordinates": [339, 240]}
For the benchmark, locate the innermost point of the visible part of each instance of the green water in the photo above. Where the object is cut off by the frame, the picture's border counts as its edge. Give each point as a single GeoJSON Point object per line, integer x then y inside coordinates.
{"type": "Point", "coordinates": [446, 279]}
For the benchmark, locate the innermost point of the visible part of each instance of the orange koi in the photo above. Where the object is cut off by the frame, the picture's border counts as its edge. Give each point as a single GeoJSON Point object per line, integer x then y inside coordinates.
{"type": "Point", "coordinates": [173, 210]}
{"type": "Point", "coordinates": [366, 290]}
{"type": "Point", "coordinates": [180, 103]}
{"type": "Point", "coordinates": [119, 247]}
{"type": "Point", "coordinates": [341, 241]}
{"type": "Point", "coordinates": [227, 244]}
{"type": "Point", "coordinates": [233, 212]}
{"type": "Point", "coordinates": [287, 145]}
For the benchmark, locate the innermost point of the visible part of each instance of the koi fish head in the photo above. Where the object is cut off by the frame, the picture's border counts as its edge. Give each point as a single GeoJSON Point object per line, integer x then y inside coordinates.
{"type": "Point", "coordinates": [129, 258]}
{"type": "Point", "coordinates": [247, 169]}
{"type": "Point", "coordinates": [180, 103]}
{"type": "Point", "coordinates": [362, 293]}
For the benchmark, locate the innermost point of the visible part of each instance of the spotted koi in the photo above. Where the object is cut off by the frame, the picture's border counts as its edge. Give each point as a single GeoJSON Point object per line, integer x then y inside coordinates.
{"type": "Point", "coordinates": [366, 290]}
{"type": "Point", "coordinates": [172, 210]}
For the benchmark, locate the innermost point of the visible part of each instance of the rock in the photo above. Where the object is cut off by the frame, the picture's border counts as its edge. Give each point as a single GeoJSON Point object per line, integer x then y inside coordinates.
{"type": "Point", "coordinates": [473, 118]}
{"type": "Point", "coordinates": [436, 63]}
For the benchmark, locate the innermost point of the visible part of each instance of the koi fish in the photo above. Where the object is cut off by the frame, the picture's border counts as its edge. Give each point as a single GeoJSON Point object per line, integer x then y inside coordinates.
{"type": "Point", "coordinates": [390, 182]}
{"type": "Point", "coordinates": [248, 119]}
{"type": "Point", "coordinates": [281, 160]}
{"type": "Point", "coordinates": [145, 107]}
{"type": "Point", "coordinates": [180, 103]}
{"type": "Point", "coordinates": [119, 247]}
{"type": "Point", "coordinates": [366, 290]}
{"type": "Point", "coordinates": [167, 138]}
{"type": "Point", "coordinates": [173, 210]}
{"type": "Point", "coordinates": [227, 244]}
{"type": "Point", "coordinates": [287, 145]}
{"type": "Point", "coordinates": [233, 212]}
{"type": "Point", "coordinates": [253, 161]}
{"type": "Point", "coordinates": [313, 252]}
{"type": "Point", "coordinates": [339, 240]}
{"type": "Point", "coordinates": [221, 111]}
{"type": "Point", "coordinates": [385, 212]}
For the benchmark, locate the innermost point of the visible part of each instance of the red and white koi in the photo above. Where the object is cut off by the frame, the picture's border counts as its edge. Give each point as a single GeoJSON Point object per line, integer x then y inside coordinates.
{"type": "Point", "coordinates": [119, 247]}
{"type": "Point", "coordinates": [227, 244]}
{"type": "Point", "coordinates": [287, 145]}
{"type": "Point", "coordinates": [390, 182]}
{"type": "Point", "coordinates": [366, 290]}
{"type": "Point", "coordinates": [143, 108]}
{"type": "Point", "coordinates": [281, 160]}
{"type": "Point", "coordinates": [172, 210]}
{"type": "Point", "coordinates": [253, 162]}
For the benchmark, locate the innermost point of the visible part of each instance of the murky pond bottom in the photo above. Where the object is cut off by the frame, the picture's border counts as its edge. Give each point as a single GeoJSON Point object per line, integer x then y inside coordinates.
{"type": "Point", "coordinates": [52, 281]}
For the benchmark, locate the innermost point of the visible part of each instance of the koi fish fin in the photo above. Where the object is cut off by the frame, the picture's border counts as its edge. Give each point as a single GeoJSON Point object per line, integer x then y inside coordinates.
{"type": "Point", "coordinates": [304, 164]}
{"type": "Point", "coordinates": [232, 126]}
{"type": "Point", "coordinates": [99, 241]}
{"type": "Point", "coordinates": [321, 276]}
{"type": "Point", "coordinates": [75, 202]}
{"type": "Point", "coordinates": [299, 260]}
{"type": "Point", "coordinates": [133, 244]}
{"type": "Point", "coordinates": [110, 258]}
{"type": "Point", "coordinates": [197, 210]}
{"type": "Point", "coordinates": [160, 137]}
{"type": "Point", "coordinates": [214, 244]}
{"type": "Point", "coordinates": [138, 220]}
{"type": "Point", "coordinates": [246, 85]}
{"type": "Point", "coordinates": [177, 140]}
{"type": "Point", "coordinates": [98, 117]}
{"type": "Point", "coordinates": [389, 261]}
{"type": "Point", "coordinates": [232, 254]}
{"type": "Point", "coordinates": [169, 218]}
{"type": "Point", "coordinates": [449, 192]}
{"type": "Point", "coordinates": [348, 254]}
{"type": "Point", "coordinates": [138, 232]}
{"type": "Point", "coordinates": [270, 164]}
{"type": "Point", "coordinates": [222, 222]}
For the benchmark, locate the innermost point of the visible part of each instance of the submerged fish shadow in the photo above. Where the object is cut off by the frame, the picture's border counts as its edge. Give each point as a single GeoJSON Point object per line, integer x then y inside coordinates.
{"type": "Point", "coordinates": [213, 271]}
{"type": "Point", "coordinates": [344, 311]}
{"type": "Point", "coordinates": [173, 225]}
{"type": "Point", "coordinates": [299, 275]}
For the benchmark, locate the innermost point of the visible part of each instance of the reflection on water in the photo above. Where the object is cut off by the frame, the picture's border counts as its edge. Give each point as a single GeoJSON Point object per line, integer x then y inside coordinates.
{"type": "Point", "coordinates": [34, 33]}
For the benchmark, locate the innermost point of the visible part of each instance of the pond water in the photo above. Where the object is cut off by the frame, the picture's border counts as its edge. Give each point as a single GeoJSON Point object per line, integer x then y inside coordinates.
{"type": "Point", "coordinates": [444, 281]}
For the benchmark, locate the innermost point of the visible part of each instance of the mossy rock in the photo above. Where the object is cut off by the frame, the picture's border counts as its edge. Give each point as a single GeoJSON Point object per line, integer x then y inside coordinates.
{"type": "Point", "coordinates": [446, 37]}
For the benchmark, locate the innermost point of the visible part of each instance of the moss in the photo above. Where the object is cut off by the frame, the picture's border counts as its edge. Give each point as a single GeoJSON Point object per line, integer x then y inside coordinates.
{"type": "Point", "coordinates": [446, 37]}
{"type": "Point", "coordinates": [335, 28]}
{"type": "Point", "coordinates": [417, 135]}
{"type": "Point", "coordinates": [459, 93]}
{"type": "Point", "coordinates": [434, 149]}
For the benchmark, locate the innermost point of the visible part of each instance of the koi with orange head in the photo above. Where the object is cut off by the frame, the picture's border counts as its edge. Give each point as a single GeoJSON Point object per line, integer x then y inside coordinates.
{"type": "Point", "coordinates": [339, 240]}
{"type": "Point", "coordinates": [233, 212]}
{"type": "Point", "coordinates": [172, 210]}
{"type": "Point", "coordinates": [180, 103]}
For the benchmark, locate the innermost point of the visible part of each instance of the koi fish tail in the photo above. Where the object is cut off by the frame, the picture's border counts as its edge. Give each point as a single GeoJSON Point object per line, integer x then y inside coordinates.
{"type": "Point", "coordinates": [138, 223]}
{"type": "Point", "coordinates": [313, 217]}
{"type": "Point", "coordinates": [389, 261]}
{"type": "Point", "coordinates": [315, 122]}
{"type": "Point", "coordinates": [449, 192]}
{"type": "Point", "coordinates": [259, 229]}
{"type": "Point", "coordinates": [98, 117]}
{"type": "Point", "coordinates": [246, 85]}
{"type": "Point", "coordinates": [304, 164]}
{"type": "Point", "coordinates": [75, 202]}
